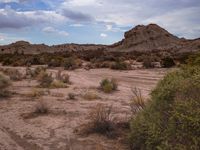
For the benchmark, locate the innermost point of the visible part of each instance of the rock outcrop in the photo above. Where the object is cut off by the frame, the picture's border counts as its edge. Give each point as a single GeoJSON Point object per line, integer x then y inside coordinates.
{"type": "Point", "coordinates": [152, 38]}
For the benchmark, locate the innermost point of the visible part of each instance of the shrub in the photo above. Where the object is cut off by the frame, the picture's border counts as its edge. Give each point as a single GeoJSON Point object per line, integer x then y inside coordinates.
{"type": "Point", "coordinates": [167, 62]}
{"type": "Point", "coordinates": [71, 96]}
{"type": "Point", "coordinates": [171, 119]}
{"type": "Point", "coordinates": [41, 107]}
{"type": "Point", "coordinates": [194, 60]}
{"type": "Point", "coordinates": [4, 84]}
{"type": "Point", "coordinates": [45, 79]}
{"type": "Point", "coordinates": [120, 66]}
{"type": "Point", "coordinates": [70, 64]}
{"type": "Point", "coordinates": [101, 120]}
{"type": "Point", "coordinates": [62, 77]}
{"type": "Point", "coordinates": [147, 63]}
{"type": "Point", "coordinates": [108, 85]}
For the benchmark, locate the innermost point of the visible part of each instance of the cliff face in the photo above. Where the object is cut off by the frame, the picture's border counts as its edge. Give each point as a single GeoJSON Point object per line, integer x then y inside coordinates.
{"type": "Point", "coordinates": [151, 38]}
{"type": "Point", "coordinates": [141, 38]}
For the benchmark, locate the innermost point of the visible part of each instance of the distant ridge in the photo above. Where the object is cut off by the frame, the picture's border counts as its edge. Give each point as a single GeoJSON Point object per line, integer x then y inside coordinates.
{"type": "Point", "coordinates": [141, 38]}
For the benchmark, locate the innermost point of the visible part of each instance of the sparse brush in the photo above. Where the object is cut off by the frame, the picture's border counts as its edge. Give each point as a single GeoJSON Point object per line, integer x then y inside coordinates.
{"type": "Point", "coordinates": [14, 74]}
{"type": "Point", "coordinates": [41, 107]}
{"type": "Point", "coordinates": [108, 85]}
{"type": "Point", "coordinates": [36, 93]}
{"type": "Point", "coordinates": [101, 120]}
{"type": "Point", "coordinates": [137, 101]}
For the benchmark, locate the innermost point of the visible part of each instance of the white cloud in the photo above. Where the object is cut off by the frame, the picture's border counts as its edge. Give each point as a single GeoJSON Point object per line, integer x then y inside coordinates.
{"type": "Point", "coordinates": [52, 30]}
{"type": "Point", "coordinates": [183, 22]}
{"type": "Point", "coordinates": [2, 38]}
{"type": "Point", "coordinates": [77, 25]}
{"type": "Point", "coordinates": [19, 19]}
{"type": "Point", "coordinates": [8, 1]}
{"type": "Point", "coordinates": [103, 35]}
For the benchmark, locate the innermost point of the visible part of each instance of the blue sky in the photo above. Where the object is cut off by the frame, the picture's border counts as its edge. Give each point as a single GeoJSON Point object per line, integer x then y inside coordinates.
{"type": "Point", "coordinates": [93, 21]}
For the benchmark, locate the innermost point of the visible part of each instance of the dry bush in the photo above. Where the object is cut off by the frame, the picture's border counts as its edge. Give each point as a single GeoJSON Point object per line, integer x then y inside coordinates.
{"type": "Point", "coordinates": [57, 84]}
{"type": "Point", "coordinates": [101, 120]}
{"type": "Point", "coordinates": [62, 77]}
{"type": "Point", "coordinates": [137, 101]}
{"type": "Point", "coordinates": [71, 96]}
{"type": "Point", "coordinates": [41, 107]}
{"type": "Point", "coordinates": [14, 74]}
{"type": "Point", "coordinates": [120, 65]}
{"type": "Point", "coordinates": [108, 86]}
{"type": "Point", "coordinates": [90, 95]}
{"type": "Point", "coordinates": [4, 84]}
{"type": "Point", "coordinates": [35, 93]}
{"type": "Point", "coordinates": [45, 79]}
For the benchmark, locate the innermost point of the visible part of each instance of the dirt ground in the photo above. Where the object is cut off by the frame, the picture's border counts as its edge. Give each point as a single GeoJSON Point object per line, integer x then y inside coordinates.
{"type": "Point", "coordinates": [56, 130]}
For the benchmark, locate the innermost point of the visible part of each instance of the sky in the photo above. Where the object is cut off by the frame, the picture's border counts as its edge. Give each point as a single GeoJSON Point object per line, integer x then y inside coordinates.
{"type": "Point", "coordinates": [93, 21]}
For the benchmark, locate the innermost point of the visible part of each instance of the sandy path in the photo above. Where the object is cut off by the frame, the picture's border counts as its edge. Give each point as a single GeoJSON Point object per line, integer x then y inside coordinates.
{"type": "Point", "coordinates": [55, 131]}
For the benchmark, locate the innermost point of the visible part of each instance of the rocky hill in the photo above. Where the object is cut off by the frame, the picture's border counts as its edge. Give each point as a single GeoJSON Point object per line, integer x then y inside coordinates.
{"type": "Point", "coordinates": [141, 38]}
{"type": "Point", "coordinates": [152, 38]}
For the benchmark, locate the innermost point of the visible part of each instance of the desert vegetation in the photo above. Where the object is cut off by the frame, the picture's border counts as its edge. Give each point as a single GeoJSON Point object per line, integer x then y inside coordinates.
{"type": "Point", "coordinates": [171, 119]}
{"type": "Point", "coordinates": [108, 85]}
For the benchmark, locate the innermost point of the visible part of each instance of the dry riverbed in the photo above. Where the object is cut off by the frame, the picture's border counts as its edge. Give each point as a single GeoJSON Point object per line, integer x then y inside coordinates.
{"type": "Point", "coordinates": [57, 129]}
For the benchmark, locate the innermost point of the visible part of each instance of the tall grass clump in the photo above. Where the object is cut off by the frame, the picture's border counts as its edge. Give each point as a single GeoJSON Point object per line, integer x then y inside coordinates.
{"type": "Point", "coordinates": [171, 119]}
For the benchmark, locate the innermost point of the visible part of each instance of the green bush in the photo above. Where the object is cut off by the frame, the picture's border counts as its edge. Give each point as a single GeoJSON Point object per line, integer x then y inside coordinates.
{"type": "Point", "coordinates": [194, 59]}
{"type": "Point", "coordinates": [108, 85]}
{"type": "Point", "coordinates": [171, 119]}
{"type": "Point", "coordinates": [167, 62]}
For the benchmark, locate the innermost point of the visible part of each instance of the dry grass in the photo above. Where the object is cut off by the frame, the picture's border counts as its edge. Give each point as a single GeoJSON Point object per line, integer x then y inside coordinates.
{"type": "Point", "coordinates": [137, 101]}
{"type": "Point", "coordinates": [101, 120]}
{"type": "Point", "coordinates": [57, 84]}
{"type": "Point", "coordinates": [90, 96]}
{"type": "Point", "coordinates": [35, 93]}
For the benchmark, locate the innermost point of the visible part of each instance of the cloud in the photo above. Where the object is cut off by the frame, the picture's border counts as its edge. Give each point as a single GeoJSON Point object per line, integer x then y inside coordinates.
{"type": "Point", "coordinates": [19, 19]}
{"type": "Point", "coordinates": [2, 38]}
{"type": "Point", "coordinates": [184, 22]}
{"type": "Point", "coordinates": [77, 16]}
{"type": "Point", "coordinates": [103, 35]}
{"type": "Point", "coordinates": [77, 25]}
{"type": "Point", "coordinates": [8, 1]}
{"type": "Point", "coordinates": [51, 30]}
